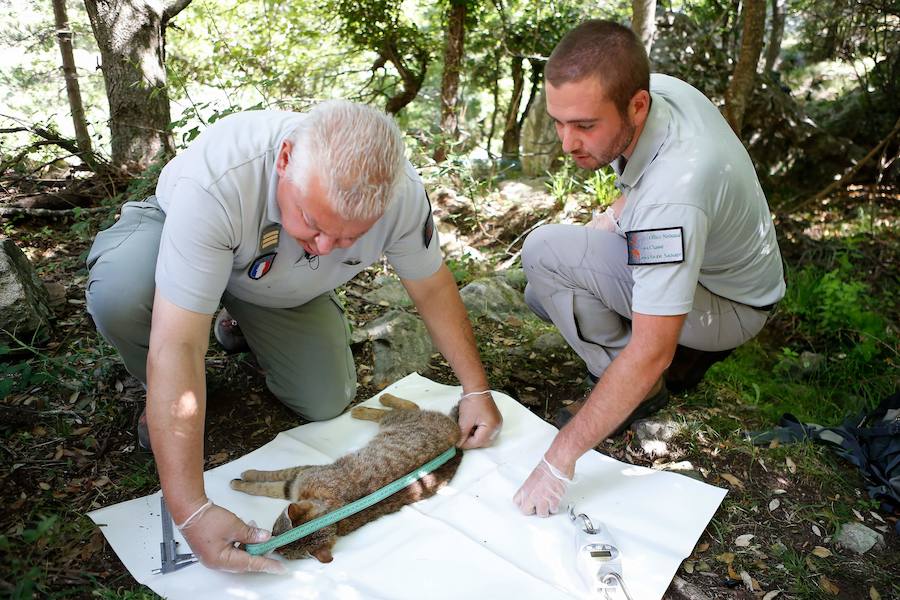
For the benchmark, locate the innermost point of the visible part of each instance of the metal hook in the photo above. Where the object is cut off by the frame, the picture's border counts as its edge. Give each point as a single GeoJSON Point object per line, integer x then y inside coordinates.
{"type": "Point", "coordinates": [618, 579]}
{"type": "Point", "coordinates": [587, 525]}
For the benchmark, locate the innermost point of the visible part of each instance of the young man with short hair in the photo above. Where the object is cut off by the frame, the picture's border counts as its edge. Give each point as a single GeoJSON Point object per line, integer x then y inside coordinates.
{"type": "Point", "coordinates": [685, 258]}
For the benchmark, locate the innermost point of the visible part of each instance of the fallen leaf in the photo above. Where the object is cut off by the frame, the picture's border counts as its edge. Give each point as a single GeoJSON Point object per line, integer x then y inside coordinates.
{"type": "Point", "coordinates": [816, 530]}
{"type": "Point", "coordinates": [821, 552]}
{"type": "Point", "coordinates": [702, 547]}
{"type": "Point", "coordinates": [44, 485]}
{"type": "Point", "coordinates": [792, 467]}
{"type": "Point", "coordinates": [119, 386]}
{"type": "Point", "coordinates": [770, 595]}
{"type": "Point", "coordinates": [688, 566]}
{"type": "Point", "coordinates": [775, 503]}
{"type": "Point", "coordinates": [81, 430]}
{"type": "Point", "coordinates": [780, 491]}
{"type": "Point", "coordinates": [876, 516]}
{"type": "Point", "coordinates": [726, 557]}
{"type": "Point", "coordinates": [748, 581]}
{"type": "Point", "coordinates": [742, 541]}
{"type": "Point", "coordinates": [828, 586]}
{"type": "Point", "coordinates": [858, 515]}
{"type": "Point", "coordinates": [732, 480]}
{"type": "Point", "coordinates": [873, 593]}
{"type": "Point", "coordinates": [101, 481]}
{"type": "Point", "coordinates": [733, 574]}
{"type": "Point", "coordinates": [217, 458]}
{"type": "Point", "coordinates": [811, 565]}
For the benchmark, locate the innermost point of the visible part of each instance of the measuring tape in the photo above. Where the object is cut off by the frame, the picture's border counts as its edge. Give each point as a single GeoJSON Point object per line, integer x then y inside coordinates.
{"type": "Point", "coordinates": [354, 507]}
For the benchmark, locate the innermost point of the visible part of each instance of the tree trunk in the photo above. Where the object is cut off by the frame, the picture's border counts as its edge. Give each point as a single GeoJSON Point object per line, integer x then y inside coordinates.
{"type": "Point", "coordinates": [775, 35]}
{"type": "Point", "coordinates": [512, 130]}
{"type": "Point", "coordinates": [537, 76]}
{"type": "Point", "coordinates": [412, 78]}
{"type": "Point", "coordinates": [131, 38]}
{"type": "Point", "coordinates": [743, 80]}
{"type": "Point", "coordinates": [643, 20]}
{"type": "Point", "coordinates": [453, 55]}
{"type": "Point", "coordinates": [495, 92]}
{"type": "Point", "coordinates": [64, 38]}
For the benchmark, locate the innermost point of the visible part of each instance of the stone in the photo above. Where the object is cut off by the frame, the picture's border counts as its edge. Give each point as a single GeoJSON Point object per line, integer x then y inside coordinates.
{"type": "Point", "coordinates": [859, 538]}
{"type": "Point", "coordinates": [24, 308]}
{"type": "Point", "coordinates": [388, 291]}
{"type": "Point", "coordinates": [400, 345]}
{"type": "Point", "coordinates": [540, 144]}
{"type": "Point", "coordinates": [682, 467]}
{"type": "Point", "coordinates": [653, 436]}
{"type": "Point", "coordinates": [493, 298]}
{"type": "Point", "coordinates": [682, 590]}
{"type": "Point", "coordinates": [515, 278]}
{"type": "Point", "coordinates": [56, 293]}
{"type": "Point", "coordinates": [551, 341]}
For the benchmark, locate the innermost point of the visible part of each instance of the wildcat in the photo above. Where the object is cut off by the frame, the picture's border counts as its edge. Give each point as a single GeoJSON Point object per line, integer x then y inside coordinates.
{"type": "Point", "coordinates": [407, 439]}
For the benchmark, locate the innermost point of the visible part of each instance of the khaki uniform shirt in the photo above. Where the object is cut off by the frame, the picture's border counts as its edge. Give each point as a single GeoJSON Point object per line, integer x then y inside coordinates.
{"type": "Point", "coordinates": [219, 199]}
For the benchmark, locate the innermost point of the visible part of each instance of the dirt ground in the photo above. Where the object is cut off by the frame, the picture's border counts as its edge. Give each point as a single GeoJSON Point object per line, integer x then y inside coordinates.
{"type": "Point", "coordinates": [68, 446]}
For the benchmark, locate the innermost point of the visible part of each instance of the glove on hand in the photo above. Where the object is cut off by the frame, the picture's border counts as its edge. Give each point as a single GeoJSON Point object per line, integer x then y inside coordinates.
{"type": "Point", "coordinates": [543, 491]}
{"type": "Point", "coordinates": [212, 532]}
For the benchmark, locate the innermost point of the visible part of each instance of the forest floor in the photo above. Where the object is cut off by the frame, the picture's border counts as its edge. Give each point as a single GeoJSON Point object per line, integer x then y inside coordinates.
{"type": "Point", "coordinates": [67, 436]}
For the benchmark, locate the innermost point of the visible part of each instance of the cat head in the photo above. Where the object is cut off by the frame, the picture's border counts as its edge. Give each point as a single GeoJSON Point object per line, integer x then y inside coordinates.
{"type": "Point", "coordinates": [319, 543]}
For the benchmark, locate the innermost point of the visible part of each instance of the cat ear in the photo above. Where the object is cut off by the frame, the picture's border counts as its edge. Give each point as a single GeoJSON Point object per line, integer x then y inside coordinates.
{"type": "Point", "coordinates": [301, 512]}
{"type": "Point", "coordinates": [283, 522]}
{"type": "Point", "coordinates": [322, 554]}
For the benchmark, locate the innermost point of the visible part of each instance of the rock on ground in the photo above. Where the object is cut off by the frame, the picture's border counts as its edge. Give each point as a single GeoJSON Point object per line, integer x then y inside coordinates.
{"type": "Point", "coordinates": [495, 299]}
{"type": "Point", "coordinates": [24, 306]}
{"type": "Point", "coordinates": [400, 345]}
{"type": "Point", "coordinates": [859, 538]}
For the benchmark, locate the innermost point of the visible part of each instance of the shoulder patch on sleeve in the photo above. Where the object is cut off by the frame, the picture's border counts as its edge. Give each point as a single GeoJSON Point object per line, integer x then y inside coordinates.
{"type": "Point", "coordinates": [428, 226]}
{"type": "Point", "coordinates": [655, 246]}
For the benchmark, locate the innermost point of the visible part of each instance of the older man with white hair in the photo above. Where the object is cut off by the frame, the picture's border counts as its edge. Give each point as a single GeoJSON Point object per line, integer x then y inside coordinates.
{"type": "Point", "coordinates": [268, 212]}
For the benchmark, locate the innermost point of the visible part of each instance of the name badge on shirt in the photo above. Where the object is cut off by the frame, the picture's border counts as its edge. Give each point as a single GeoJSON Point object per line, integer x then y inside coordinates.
{"type": "Point", "coordinates": [655, 246]}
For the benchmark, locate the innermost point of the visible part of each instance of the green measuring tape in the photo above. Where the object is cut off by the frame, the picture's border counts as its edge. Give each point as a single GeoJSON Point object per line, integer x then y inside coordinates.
{"type": "Point", "coordinates": [354, 507]}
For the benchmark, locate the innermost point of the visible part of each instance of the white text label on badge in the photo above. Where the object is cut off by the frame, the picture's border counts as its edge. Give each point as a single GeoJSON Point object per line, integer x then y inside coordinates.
{"type": "Point", "coordinates": [655, 246]}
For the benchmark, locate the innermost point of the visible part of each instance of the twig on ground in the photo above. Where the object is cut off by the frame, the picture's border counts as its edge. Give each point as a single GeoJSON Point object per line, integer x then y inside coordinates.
{"type": "Point", "coordinates": [848, 175]}
{"type": "Point", "coordinates": [15, 211]}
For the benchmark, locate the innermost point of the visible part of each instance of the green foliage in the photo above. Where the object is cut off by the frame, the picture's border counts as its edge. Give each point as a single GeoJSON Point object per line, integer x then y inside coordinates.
{"type": "Point", "coordinates": [840, 359]}
{"type": "Point", "coordinates": [18, 375]}
{"type": "Point", "coordinates": [464, 269]}
{"type": "Point", "coordinates": [562, 182]}
{"type": "Point", "coordinates": [600, 186]}
{"type": "Point", "coordinates": [17, 549]}
{"type": "Point", "coordinates": [837, 308]}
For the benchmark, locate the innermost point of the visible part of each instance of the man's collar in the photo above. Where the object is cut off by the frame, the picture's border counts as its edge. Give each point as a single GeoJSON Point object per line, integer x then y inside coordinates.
{"type": "Point", "coordinates": [273, 213]}
{"type": "Point", "coordinates": [654, 134]}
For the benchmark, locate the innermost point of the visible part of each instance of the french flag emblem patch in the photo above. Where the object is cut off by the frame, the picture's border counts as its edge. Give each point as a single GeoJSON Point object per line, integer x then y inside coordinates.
{"type": "Point", "coordinates": [261, 266]}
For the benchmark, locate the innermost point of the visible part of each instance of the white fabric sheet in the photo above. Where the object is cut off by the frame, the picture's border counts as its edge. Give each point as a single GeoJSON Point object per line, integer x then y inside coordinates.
{"type": "Point", "coordinates": [469, 541]}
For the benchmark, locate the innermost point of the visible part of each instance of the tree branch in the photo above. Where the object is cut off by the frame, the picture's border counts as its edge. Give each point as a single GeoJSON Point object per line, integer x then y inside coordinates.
{"type": "Point", "coordinates": [848, 175]}
{"type": "Point", "coordinates": [173, 8]}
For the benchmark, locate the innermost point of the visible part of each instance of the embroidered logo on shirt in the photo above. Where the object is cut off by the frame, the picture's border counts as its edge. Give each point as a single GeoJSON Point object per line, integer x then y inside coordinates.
{"type": "Point", "coordinates": [655, 246]}
{"type": "Point", "coordinates": [261, 265]}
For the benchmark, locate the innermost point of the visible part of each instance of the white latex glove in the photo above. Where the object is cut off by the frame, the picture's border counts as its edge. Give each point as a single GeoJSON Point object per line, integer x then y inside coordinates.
{"type": "Point", "coordinates": [543, 491]}
{"type": "Point", "coordinates": [604, 221]}
{"type": "Point", "coordinates": [212, 533]}
{"type": "Point", "coordinates": [480, 421]}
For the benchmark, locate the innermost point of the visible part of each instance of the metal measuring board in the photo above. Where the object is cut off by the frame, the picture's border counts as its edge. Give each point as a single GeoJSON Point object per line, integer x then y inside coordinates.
{"type": "Point", "coordinates": [170, 559]}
